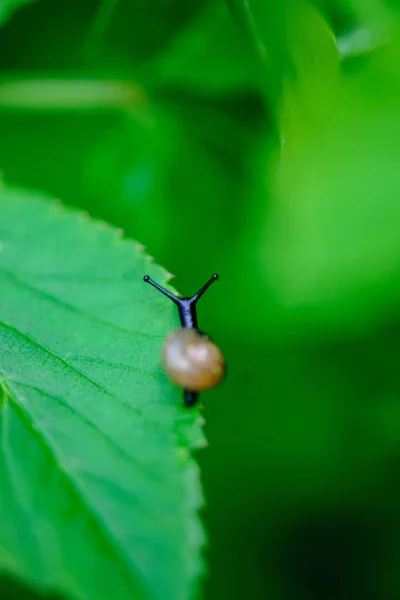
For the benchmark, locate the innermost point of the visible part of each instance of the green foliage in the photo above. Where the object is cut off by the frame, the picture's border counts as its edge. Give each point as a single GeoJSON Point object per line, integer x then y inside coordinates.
{"type": "Point", "coordinates": [8, 7]}
{"type": "Point", "coordinates": [257, 139]}
{"type": "Point", "coordinates": [342, 233]}
{"type": "Point", "coordinates": [210, 56]}
{"type": "Point", "coordinates": [125, 34]}
{"type": "Point", "coordinates": [95, 443]}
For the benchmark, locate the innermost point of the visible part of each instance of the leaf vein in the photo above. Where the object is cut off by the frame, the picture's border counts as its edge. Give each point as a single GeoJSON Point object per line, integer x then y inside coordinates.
{"type": "Point", "coordinates": [102, 529]}
{"type": "Point", "coordinates": [75, 370]}
{"type": "Point", "coordinates": [42, 293]}
{"type": "Point", "coordinates": [78, 414]}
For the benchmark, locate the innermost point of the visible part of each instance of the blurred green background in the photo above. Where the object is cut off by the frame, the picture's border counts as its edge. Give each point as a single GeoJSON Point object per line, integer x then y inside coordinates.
{"type": "Point", "coordinates": [260, 140]}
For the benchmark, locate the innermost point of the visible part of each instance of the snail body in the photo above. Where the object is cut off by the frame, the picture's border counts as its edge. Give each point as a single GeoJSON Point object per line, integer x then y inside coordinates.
{"type": "Point", "coordinates": [190, 358]}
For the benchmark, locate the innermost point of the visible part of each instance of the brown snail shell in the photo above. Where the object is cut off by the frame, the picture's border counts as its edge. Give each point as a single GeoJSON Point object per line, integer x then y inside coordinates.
{"type": "Point", "coordinates": [192, 360]}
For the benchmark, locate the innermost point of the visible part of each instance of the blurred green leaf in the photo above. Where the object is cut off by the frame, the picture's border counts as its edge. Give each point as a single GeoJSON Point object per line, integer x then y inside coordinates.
{"type": "Point", "coordinates": [46, 95]}
{"type": "Point", "coordinates": [210, 56]}
{"type": "Point", "coordinates": [125, 165]}
{"type": "Point", "coordinates": [312, 73]}
{"type": "Point", "coordinates": [333, 242]}
{"type": "Point", "coordinates": [126, 33]}
{"type": "Point", "coordinates": [8, 7]}
{"type": "Point", "coordinates": [178, 174]}
{"type": "Point", "coordinates": [302, 78]}
{"type": "Point", "coordinates": [293, 41]}
{"type": "Point", "coordinates": [99, 491]}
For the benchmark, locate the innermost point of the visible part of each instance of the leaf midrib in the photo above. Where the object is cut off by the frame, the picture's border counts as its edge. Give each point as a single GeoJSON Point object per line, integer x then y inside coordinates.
{"type": "Point", "coordinates": [77, 371]}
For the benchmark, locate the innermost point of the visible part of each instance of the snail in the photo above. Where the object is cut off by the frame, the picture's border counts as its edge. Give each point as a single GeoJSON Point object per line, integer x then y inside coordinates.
{"type": "Point", "coordinates": [190, 358]}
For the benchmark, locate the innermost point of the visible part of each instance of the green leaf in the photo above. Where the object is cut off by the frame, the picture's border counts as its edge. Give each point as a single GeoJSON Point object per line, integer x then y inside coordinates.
{"type": "Point", "coordinates": [8, 7]}
{"type": "Point", "coordinates": [312, 72]}
{"type": "Point", "coordinates": [302, 77]}
{"type": "Point", "coordinates": [295, 44]}
{"type": "Point", "coordinates": [99, 490]}
{"type": "Point", "coordinates": [211, 55]}
{"type": "Point", "coordinates": [368, 28]}
{"type": "Point", "coordinates": [126, 33]}
{"type": "Point", "coordinates": [333, 243]}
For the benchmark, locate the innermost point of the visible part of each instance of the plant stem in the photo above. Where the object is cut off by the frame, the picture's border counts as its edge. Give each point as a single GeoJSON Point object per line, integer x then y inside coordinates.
{"type": "Point", "coordinates": [53, 94]}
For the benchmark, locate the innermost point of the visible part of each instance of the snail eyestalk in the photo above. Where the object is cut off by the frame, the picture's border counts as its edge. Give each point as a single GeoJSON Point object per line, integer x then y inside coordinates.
{"type": "Point", "coordinates": [205, 287]}
{"type": "Point", "coordinates": [186, 306]}
{"type": "Point", "coordinates": [148, 279]}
